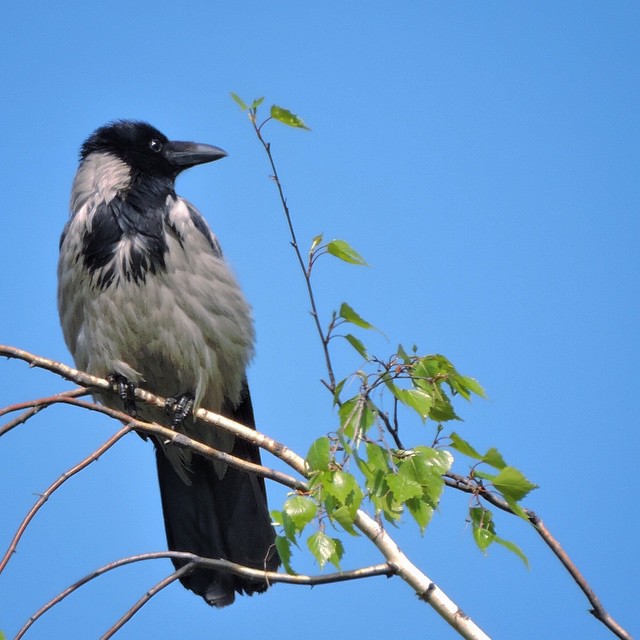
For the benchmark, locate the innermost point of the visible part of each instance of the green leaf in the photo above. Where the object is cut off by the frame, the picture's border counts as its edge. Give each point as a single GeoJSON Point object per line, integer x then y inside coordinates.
{"type": "Point", "coordinates": [494, 458]}
{"type": "Point", "coordinates": [297, 513]}
{"type": "Point", "coordinates": [377, 457]}
{"type": "Point", "coordinates": [343, 250]}
{"type": "Point", "coordinates": [357, 345]}
{"type": "Point", "coordinates": [390, 508]}
{"type": "Point", "coordinates": [467, 385]}
{"type": "Point", "coordinates": [477, 473]}
{"type": "Point", "coordinates": [325, 549]}
{"type": "Point", "coordinates": [319, 455]}
{"type": "Point", "coordinates": [257, 102]}
{"type": "Point", "coordinates": [427, 463]}
{"type": "Point", "coordinates": [403, 487]}
{"type": "Point", "coordinates": [348, 314]}
{"type": "Point", "coordinates": [239, 101]}
{"type": "Point", "coordinates": [432, 366]}
{"type": "Point", "coordinates": [463, 447]}
{"type": "Point", "coordinates": [356, 416]}
{"type": "Point", "coordinates": [516, 508]}
{"type": "Point", "coordinates": [403, 355]}
{"type": "Point", "coordinates": [421, 511]}
{"type": "Point", "coordinates": [338, 391]}
{"type": "Point", "coordinates": [417, 399]}
{"type": "Point", "coordinates": [484, 533]}
{"type": "Point", "coordinates": [442, 410]}
{"type": "Point", "coordinates": [340, 485]}
{"type": "Point", "coordinates": [425, 467]}
{"type": "Point", "coordinates": [283, 545]}
{"type": "Point", "coordinates": [345, 518]}
{"type": "Point", "coordinates": [513, 548]}
{"type": "Point", "coordinates": [286, 117]}
{"type": "Point", "coordinates": [482, 526]}
{"type": "Point", "coordinates": [314, 243]}
{"type": "Point", "coordinates": [512, 484]}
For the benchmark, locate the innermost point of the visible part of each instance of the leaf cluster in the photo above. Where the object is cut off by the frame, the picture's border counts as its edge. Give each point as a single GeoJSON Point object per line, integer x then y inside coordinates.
{"type": "Point", "coordinates": [364, 462]}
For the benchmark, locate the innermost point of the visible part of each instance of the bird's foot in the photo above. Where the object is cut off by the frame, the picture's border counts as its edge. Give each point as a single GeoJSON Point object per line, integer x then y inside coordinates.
{"type": "Point", "coordinates": [179, 406]}
{"type": "Point", "coordinates": [126, 391]}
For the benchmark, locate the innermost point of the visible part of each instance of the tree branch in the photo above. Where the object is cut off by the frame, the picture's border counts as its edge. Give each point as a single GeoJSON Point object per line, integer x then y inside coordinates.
{"type": "Point", "coordinates": [148, 428]}
{"type": "Point", "coordinates": [469, 486]}
{"type": "Point", "coordinates": [34, 406]}
{"type": "Point", "coordinates": [176, 575]}
{"type": "Point", "coordinates": [306, 272]}
{"type": "Point", "coordinates": [424, 586]}
{"type": "Point", "coordinates": [194, 561]}
{"type": "Point", "coordinates": [59, 482]}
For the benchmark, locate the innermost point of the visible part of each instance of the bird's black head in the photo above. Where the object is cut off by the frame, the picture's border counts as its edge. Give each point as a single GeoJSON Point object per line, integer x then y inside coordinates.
{"type": "Point", "coordinates": [147, 150]}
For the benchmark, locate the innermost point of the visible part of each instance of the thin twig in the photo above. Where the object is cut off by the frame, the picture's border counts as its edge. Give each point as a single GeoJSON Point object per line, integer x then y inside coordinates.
{"type": "Point", "coordinates": [393, 430]}
{"type": "Point", "coordinates": [176, 575]}
{"type": "Point", "coordinates": [34, 406]}
{"type": "Point", "coordinates": [150, 429]}
{"type": "Point", "coordinates": [194, 561]}
{"type": "Point", "coordinates": [468, 485]}
{"type": "Point", "coordinates": [324, 338]}
{"type": "Point", "coordinates": [60, 481]}
{"type": "Point", "coordinates": [76, 585]}
{"type": "Point", "coordinates": [597, 610]}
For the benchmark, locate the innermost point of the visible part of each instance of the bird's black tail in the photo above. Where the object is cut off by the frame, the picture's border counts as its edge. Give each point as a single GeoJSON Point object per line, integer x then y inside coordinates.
{"type": "Point", "coordinates": [219, 518]}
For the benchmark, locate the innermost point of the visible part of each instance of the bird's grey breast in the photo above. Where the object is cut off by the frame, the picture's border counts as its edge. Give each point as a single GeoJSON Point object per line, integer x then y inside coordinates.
{"type": "Point", "coordinates": [144, 290]}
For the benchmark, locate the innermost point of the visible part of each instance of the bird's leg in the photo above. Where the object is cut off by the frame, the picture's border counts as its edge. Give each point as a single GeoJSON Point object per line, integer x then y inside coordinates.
{"type": "Point", "coordinates": [180, 405]}
{"type": "Point", "coordinates": [126, 391]}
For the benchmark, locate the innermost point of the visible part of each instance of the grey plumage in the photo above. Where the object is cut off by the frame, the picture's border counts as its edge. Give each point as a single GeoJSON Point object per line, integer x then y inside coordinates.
{"type": "Point", "coordinates": [145, 294]}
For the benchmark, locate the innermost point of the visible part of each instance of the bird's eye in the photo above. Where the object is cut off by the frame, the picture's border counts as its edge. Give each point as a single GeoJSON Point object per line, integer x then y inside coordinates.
{"type": "Point", "coordinates": [155, 145]}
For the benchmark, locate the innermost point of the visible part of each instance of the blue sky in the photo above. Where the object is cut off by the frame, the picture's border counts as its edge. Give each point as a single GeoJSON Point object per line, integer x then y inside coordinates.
{"type": "Point", "coordinates": [484, 158]}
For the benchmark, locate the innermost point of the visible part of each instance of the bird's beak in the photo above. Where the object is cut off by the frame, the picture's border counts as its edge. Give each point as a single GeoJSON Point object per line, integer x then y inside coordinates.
{"type": "Point", "coordinates": [187, 154]}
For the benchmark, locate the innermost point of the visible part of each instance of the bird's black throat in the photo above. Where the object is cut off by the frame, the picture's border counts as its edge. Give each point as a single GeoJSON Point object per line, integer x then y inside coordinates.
{"type": "Point", "coordinates": [126, 238]}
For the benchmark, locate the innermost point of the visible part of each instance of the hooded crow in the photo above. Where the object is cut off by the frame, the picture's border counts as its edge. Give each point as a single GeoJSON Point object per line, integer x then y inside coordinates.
{"type": "Point", "coordinates": [146, 298]}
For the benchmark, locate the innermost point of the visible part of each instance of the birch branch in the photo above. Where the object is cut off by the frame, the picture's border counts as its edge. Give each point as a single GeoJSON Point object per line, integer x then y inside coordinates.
{"type": "Point", "coordinates": [425, 588]}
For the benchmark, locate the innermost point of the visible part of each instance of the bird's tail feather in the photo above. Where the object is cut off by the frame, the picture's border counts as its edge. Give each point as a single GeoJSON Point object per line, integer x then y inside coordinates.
{"type": "Point", "coordinates": [217, 517]}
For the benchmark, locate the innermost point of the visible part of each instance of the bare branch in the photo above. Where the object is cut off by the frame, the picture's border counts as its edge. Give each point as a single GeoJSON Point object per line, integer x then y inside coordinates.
{"type": "Point", "coordinates": [468, 485]}
{"type": "Point", "coordinates": [597, 609]}
{"type": "Point", "coordinates": [184, 441]}
{"type": "Point", "coordinates": [80, 377]}
{"type": "Point", "coordinates": [426, 588]}
{"type": "Point", "coordinates": [194, 561]}
{"type": "Point", "coordinates": [306, 273]}
{"type": "Point", "coordinates": [32, 407]}
{"type": "Point", "coordinates": [176, 575]}
{"type": "Point", "coordinates": [76, 585]}
{"type": "Point", "coordinates": [59, 482]}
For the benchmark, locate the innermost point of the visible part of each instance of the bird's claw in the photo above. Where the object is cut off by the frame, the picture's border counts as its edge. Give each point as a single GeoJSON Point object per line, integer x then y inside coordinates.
{"type": "Point", "coordinates": [126, 392]}
{"type": "Point", "coordinates": [180, 406]}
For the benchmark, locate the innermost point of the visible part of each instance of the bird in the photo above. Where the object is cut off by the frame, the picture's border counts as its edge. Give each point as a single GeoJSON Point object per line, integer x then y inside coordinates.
{"type": "Point", "coordinates": [146, 298]}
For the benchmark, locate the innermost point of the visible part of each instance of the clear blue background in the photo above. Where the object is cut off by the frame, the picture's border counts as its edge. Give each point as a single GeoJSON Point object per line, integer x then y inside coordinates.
{"type": "Point", "coordinates": [483, 156]}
